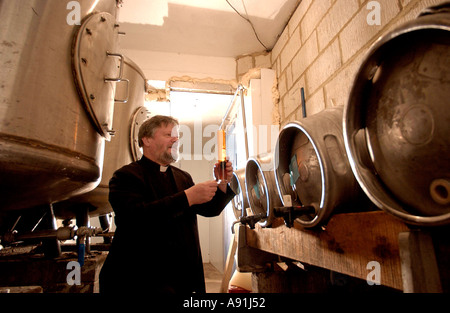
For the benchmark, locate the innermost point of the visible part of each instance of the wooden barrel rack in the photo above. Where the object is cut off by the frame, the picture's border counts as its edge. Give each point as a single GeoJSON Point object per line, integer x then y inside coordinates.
{"type": "Point", "coordinates": [351, 245]}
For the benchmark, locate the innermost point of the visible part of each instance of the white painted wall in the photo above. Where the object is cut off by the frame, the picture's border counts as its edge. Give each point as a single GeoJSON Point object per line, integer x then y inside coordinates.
{"type": "Point", "coordinates": [210, 229]}
{"type": "Point", "coordinates": [162, 65]}
{"type": "Point", "coordinates": [259, 105]}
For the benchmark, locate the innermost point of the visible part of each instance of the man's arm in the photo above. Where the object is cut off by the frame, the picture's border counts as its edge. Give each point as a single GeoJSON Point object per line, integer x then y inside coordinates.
{"type": "Point", "coordinates": [216, 205]}
{"type": "Point", "coordinates": [130, 196]}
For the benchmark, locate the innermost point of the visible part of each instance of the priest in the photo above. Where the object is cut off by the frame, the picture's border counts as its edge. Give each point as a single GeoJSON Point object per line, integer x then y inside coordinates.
{"type": "Point", "coordinates": [156, 248]}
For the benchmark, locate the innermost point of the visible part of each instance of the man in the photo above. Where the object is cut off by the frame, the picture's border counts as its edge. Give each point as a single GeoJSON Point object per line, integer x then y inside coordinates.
{"type": "Point", "coordinates": [156, 246]}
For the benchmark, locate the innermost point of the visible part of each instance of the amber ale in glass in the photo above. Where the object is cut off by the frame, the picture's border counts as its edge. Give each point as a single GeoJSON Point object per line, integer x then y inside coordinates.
{"type": "Point", "coordinates": [222, 154]}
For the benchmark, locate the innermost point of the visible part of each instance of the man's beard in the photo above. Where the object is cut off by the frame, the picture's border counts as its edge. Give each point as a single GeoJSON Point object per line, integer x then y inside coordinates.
{"type": "Point", "coordinates": [168, 158]}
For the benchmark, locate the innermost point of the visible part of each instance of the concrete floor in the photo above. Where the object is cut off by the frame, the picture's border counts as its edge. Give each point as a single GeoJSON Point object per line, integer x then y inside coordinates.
{"type": "Point", "coordinates": [213, 278]}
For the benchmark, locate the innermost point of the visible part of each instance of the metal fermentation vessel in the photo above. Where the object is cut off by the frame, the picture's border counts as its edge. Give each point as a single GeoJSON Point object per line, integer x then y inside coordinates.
{"type": "Point", "coordinates": [129, 114]}
{"type": "Point", "coordinates": [57, 84]}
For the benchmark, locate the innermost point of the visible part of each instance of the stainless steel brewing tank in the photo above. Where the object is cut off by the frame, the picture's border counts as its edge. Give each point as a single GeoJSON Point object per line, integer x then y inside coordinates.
{"type": "Point", "coordinates": [397, 121]}
{"type": "Point", "coordinates": [240, 201]}
{"type": "Point", "coordinates": [261, 188]}
{"type": "Point", "coordinates": [129, 114]}
{"type": "Point", "coordinates": [312, 167]}
{"type": "Point", "coordinates": [49, 149]}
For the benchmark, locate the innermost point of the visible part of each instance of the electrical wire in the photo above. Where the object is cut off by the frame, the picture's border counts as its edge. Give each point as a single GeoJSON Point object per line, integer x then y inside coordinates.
{"type": "Point", "coordinates": [250, 22]}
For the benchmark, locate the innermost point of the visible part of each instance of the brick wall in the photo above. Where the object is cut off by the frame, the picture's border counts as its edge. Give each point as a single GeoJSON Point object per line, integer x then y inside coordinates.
{"type": "Point", "coordinates": [322, 48]}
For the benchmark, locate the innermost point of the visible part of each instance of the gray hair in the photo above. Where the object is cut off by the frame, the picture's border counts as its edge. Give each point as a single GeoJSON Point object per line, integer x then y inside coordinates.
{"type": "Point", "coordinates": [149, 127]}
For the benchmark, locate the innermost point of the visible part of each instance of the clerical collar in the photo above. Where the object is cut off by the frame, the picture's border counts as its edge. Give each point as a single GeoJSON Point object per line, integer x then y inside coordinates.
{"type": "Point", "coordinates": [153, 165]}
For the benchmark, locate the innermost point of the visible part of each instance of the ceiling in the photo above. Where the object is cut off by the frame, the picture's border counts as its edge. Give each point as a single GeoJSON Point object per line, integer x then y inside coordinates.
{"type": "Point", "coordinates": [204, 27]}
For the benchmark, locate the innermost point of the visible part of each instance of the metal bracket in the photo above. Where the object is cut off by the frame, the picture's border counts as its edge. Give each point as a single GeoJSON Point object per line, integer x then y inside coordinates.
{"type": "Point", "coordinates": [127, 94]}
{"type": "Point", "coordinates": [120, 56]}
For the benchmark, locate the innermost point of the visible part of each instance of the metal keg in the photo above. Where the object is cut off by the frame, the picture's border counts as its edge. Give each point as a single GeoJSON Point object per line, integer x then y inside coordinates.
{"type": "Point", "coordinates": [261, 188]}
{"type": "Point", "coordinates": [239, 202]}
{"type": "Point", "coordinates": [129, 114]}
{"type": "Point", "coordinates": [50, 147]}
{"type": "Point", "coordinates": [312, 167]}
{"type": "Point", "coordinates": [397, 120]}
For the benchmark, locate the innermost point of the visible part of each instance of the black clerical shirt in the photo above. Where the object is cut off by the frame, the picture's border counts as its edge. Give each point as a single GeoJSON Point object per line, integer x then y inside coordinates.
{"type": "Point", "coordinates": [156, 245]}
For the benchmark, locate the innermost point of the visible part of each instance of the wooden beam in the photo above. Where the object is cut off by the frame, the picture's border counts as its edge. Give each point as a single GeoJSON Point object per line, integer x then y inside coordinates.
{"type": "Point", "coordinates": [420, 271]}
{"type": "Point", "coordinates": [229, 265]}
{"type": "Point", "coordinates": [347, 245]}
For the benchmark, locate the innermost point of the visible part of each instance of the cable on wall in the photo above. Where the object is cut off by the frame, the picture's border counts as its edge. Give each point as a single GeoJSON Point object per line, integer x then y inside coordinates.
{"type": "Point", "coordinates": [248, 20]}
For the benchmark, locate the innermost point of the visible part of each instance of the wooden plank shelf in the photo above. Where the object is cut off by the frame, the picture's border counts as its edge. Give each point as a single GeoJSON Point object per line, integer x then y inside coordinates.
{"type": "Point", "coordinates": [347, 245]}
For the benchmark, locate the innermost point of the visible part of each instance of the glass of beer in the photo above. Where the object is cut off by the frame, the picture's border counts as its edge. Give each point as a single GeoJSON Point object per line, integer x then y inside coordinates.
{"type": "Point", "coordinates": [222, 154]}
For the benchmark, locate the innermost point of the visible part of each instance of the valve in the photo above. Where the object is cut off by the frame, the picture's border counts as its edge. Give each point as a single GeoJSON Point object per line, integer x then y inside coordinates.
{"type": "Point", "coordinates": [290, 213]}
{"type": "Point", "coordinates": [82, 233]}
{"type": "Point", "coordinates": [250, 220]}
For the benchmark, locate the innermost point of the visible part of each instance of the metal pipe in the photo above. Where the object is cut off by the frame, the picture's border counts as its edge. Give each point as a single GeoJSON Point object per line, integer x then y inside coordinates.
{"type": "Point", "coordinates": [82, 220]}
{"type": "Point", "coordinates": [240, 90]}
{"type": "Point", "coordinates": [229, 108]}
{"type": "Point", "coordinates": [40, 234]}
{"type": "Point", "coordinates": [105, 225]}
{"type": "Point", "coordinates": [244, 120]}
{"type": "Point", "coordinates": [200, 86]}
{"type": "Point", "coordinates": [15, 224]}
{"type": "Point", "coordinates": [62, 233]}
{"type": "Point", "coordinates": [207, 91]}
{"type": "Point", "coordinates": [303, 102]}
{"type": "Point", "coordinates": [52, 247]}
